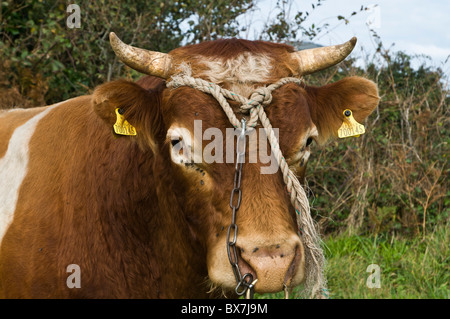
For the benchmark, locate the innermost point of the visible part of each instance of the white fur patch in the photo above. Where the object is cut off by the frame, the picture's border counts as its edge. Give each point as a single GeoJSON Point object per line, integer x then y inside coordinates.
{"type": "Point", "coordinates": [304, 152]}
{"type": "Point", "coordinates": [242, 72]}
{"type": "Point", "coordinates": [182, 152]}
{"type": "Point", "coordinates": [13, 168]}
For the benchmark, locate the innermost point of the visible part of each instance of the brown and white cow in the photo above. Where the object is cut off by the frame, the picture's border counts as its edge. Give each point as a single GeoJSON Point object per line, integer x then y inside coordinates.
{"type": "Point", "coordinates": [138, 224]}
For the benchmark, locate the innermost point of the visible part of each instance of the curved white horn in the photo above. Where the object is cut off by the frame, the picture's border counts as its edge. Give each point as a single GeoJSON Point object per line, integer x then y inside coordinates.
{"type": "Point", "coordinates": [313, 60]}
{"type": "Point", "coordinates": [144, 61]}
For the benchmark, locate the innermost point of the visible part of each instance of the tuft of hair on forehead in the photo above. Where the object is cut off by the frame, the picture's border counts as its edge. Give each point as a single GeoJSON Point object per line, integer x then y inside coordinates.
{"type": "Point", "coordinates": [236, 64]}
{"type": "Point", "coordinates": [230, 48]}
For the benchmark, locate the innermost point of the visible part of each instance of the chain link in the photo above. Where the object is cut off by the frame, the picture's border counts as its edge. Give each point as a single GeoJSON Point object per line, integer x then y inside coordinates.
{"type": "Point", "coordinates": [244, 282]}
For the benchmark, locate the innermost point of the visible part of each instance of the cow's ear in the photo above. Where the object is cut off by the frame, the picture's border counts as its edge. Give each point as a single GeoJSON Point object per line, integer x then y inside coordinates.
{"type": "Point", "coordinates": [139, 107]}
{"type": "Point", "coordinates": [328, 103]}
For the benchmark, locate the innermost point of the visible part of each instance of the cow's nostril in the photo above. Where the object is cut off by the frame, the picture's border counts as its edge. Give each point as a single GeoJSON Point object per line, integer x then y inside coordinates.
{"type": "Point", "coordinates": [272, 264]}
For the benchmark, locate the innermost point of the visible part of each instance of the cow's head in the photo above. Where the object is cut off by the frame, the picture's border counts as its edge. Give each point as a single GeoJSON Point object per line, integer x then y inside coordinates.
{"type": "Point", "coordinates": [168, 122]}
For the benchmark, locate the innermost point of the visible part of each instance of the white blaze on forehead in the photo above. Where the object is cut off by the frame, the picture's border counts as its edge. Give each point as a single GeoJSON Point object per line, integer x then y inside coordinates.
{"type": "Point", "coordinates": [13, 168]}
{"type": "Point", "coordinates": [242, 72]}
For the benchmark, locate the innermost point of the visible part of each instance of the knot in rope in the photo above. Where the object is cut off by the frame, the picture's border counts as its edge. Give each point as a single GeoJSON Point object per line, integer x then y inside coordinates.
{"type": "Point", "coordinates": [261, 96]}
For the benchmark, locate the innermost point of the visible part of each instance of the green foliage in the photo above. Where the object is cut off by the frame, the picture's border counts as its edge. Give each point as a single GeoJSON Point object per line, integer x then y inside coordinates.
{"type": "Point", "coordinates": [216, 19]}
{"type": "Point", "coordinates": [35, 38]}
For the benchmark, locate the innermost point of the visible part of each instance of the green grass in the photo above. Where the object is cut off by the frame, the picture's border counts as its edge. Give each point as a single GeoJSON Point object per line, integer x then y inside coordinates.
{"type": "Point", "coordinates": [409, 268]}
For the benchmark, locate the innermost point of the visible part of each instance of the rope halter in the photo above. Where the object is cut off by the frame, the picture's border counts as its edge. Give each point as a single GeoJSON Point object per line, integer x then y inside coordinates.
{"type": "Point", "coordinates": [259, 99]}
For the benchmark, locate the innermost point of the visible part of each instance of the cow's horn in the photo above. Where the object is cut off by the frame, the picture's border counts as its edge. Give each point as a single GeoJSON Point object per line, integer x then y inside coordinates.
{"type": "Point", "coordinates": [144, 61]}
{"type": "Point", "coordinates": [313, 60]}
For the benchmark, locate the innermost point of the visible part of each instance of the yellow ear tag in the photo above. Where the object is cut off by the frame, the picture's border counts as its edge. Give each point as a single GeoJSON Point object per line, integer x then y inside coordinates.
{"type": "Point", "coordinates": [122, 126]}
{"type": "Point", "coordinates": [350, 127]}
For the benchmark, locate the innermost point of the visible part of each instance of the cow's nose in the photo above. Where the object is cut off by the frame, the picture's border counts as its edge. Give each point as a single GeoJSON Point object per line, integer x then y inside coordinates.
{"type": "Point", "coordinates": [274, 265]}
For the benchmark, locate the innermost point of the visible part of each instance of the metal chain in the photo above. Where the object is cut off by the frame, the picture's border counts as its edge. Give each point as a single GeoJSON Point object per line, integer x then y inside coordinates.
{"type": "Point", "coordinates": [244, 282]}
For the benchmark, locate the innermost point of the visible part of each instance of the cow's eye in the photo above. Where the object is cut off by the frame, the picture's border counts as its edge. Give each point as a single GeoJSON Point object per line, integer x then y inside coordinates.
{"type": "Point", "coordinates": [309, 141]}
{"type": "Point", "coordinates": [175, 142]}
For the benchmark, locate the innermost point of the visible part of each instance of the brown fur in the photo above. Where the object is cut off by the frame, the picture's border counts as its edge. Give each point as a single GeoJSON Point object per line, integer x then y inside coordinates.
{"type": "Point", "coordinates": [137, 224]}
{"type": "Point", "coordinates": [96, 206]}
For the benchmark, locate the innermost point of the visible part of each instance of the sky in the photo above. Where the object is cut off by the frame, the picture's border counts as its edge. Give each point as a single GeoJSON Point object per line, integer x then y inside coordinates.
{"type": "Point", "coordinates": [413, 26]}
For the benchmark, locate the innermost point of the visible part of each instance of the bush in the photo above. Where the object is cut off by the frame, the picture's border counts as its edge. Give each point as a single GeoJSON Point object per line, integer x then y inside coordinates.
{"type": "Point", "coordinates": [42, 52]}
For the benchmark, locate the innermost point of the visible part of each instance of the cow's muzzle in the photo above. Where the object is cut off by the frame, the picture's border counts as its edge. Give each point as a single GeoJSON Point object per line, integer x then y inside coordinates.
{"type": "Point", "coordinates": [275, 265]}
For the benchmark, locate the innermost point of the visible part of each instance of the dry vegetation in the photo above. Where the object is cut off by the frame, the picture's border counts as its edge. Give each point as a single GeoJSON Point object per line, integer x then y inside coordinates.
{"type": "Point", "coordinates": [394, 178]}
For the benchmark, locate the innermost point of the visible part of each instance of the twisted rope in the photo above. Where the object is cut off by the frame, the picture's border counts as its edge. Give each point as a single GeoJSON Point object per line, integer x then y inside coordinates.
{"type": "Point", "coordinates": [260, 98]}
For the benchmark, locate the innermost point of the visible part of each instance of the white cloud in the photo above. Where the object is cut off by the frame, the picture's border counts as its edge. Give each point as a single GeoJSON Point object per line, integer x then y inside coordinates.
{"type": "Point", "coordinates": [435, 52]}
